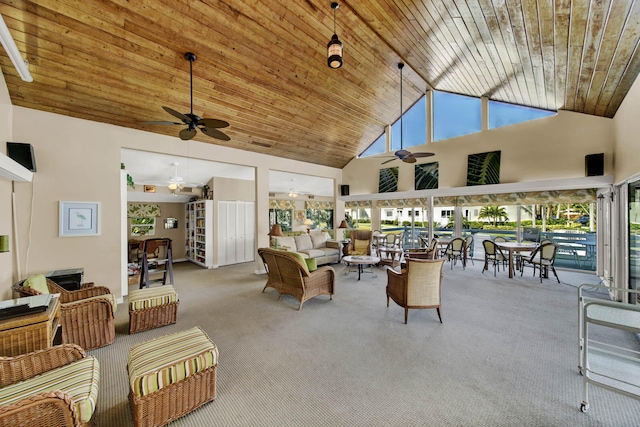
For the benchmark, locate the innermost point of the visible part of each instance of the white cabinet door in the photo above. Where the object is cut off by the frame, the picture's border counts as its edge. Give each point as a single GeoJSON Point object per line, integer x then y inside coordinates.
{"type": "Point", "coordinates": [236, 231]}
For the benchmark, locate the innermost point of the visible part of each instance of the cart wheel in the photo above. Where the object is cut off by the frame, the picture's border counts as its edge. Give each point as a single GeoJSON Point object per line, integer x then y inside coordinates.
{"type": "Point", "coordinates": [584, 407]}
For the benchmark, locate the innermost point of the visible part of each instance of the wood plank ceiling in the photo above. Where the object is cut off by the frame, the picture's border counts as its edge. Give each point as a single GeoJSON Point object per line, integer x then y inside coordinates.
{"type": "Point", "coordinates": [262, 64]}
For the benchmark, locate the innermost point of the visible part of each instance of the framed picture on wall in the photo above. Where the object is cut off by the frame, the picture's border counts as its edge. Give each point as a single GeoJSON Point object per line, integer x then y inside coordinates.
{"type": "Point", "coordinates": [300, 216]}
{"type": "Point", "coordinates": [483, 168]}
{"type": "Point", "coordinates": [388, 181]}
{"type": "Point", "coordinates": [79, 219]}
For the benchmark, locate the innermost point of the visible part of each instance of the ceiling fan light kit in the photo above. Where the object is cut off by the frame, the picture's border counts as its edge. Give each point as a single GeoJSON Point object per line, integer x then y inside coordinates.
{"type": "Point", "coordinates": [334, 47]}
{"type": "Point", "coordinates": [207, 126]}
{"type": "Point", "coordinates": [402, 154]}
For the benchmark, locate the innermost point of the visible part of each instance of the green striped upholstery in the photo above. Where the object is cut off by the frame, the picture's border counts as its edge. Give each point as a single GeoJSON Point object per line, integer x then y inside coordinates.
{"type": "Point", "coordinates": [165, 360]}
{"type": "Point", "coordinates": [79, 379]}
{"type": "Point", "coordinates": [152, 297]}
{"type": "Point", "coordinates": [110, 297]}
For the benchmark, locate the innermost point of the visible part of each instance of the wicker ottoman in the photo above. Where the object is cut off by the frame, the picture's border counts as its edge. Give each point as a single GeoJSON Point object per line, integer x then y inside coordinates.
{"type": "Point", "coordinates": [152, 307]}
{"type": "Point", "coordinates": [171, 376]}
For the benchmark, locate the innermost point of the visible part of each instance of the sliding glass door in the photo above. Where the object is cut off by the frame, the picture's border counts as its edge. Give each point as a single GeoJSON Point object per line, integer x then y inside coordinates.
{"type": "Point", "coordinates": [633, 195]}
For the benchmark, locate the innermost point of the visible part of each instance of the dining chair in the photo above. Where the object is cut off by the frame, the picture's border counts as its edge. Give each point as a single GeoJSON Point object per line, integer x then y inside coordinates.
{"type": "Point", "coordinates": [455, 250]}
{"type": "Point", "coordinates": [492, 254]}
{"type": "Point", "coordinates": [468, 242]}
{"type": "Point", "coordinates": [500, 239]}
{"type": "Point", "coordinates": [542, 258]}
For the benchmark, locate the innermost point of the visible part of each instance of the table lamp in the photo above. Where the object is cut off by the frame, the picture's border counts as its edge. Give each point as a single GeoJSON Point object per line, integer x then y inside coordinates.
{"type": "Point", "coordinates": [343, 225]}
{"type": "Point", "coordinates": [308, 222]}
{"type": "Point", "coordinates": [276, 231]}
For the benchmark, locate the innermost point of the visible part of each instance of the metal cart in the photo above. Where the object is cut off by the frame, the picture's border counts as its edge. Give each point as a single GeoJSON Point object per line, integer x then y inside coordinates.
{"type": "Point", "coordinates": [616, 368]}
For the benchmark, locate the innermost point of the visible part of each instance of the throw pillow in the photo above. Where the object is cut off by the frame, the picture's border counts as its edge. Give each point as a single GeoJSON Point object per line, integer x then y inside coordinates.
{"type": "Point", "coordinates": [38, 283]}
{"type": "Point", "coordinates": [312, 265]}
{"type": "Point", "coordinates": [361, 246]}
{"type": "Point", "coordinates": [319, 240]}
{"type": "Point", "coordinates": [301, 259]}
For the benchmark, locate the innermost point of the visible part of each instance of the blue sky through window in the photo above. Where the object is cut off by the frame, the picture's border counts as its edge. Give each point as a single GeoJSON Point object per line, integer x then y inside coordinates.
{"type": "Point", "coordinates": [455, 115]}
{"type": "Point", "coordinates": [503, 114]}
{"type": "Point", "coordinates": [378, 147]}
{"type": "Point", "coordinates": [414, 127]}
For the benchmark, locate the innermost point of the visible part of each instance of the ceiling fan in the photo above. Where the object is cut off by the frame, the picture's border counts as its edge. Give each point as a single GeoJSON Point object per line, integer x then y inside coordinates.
{"type": "Point", "coordinates": [207, 126]}
{"type": "Point", "coordinates": [405, 155]}
{"type": "Point", "coordinates": [176, 183]}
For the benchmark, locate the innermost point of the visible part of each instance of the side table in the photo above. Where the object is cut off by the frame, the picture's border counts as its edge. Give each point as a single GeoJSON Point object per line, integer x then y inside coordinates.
{"type": "Point", "coordinates": [390, 256]}
{"type": "Point", "coordinates": [30, 332]}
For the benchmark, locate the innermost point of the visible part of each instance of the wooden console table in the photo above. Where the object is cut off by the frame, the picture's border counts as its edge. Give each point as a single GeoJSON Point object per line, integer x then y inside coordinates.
{"type": "Point", "coordinates": [31, 332]}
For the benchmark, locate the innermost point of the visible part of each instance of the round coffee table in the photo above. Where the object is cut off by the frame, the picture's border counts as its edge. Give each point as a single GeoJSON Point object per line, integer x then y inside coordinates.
{"type": "Point", "coordinates": [360, 261]}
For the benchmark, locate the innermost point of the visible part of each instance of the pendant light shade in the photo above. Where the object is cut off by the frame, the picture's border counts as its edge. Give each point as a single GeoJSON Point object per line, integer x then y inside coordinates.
{"type": "Point", "coordinates": [334, 47]}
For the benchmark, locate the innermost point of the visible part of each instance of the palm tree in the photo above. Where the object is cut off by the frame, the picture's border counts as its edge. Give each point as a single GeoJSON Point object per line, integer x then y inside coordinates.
{"type": "Point", "coordinates": [496, 213]}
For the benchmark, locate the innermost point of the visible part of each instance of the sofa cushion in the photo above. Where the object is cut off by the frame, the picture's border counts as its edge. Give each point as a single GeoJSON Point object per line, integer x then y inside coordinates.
{"type": "Point", "coordinates": [360, 247]}
{"type": "Point", "coordinates": [284, 241]}
{"type": "Point", "coordinates": [330, 251]}
{"type": "Point", "coordinates": [165, 360]}
{"type": "Point", "coordinates": [314, 253]}
{"type": "Point", "coordinates": [152, 297]}
{"type": "Point", "coordinates": [303, 243]}
{"type": "Point", "coordinates": [38, 283]}
{"type": "Point", "coordinates": [319, 240]}
{"type": "Point", "coordinates": [79, 379]}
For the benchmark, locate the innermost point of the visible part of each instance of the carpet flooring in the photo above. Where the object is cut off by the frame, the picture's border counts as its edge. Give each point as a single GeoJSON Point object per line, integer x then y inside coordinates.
{"type": "Point", "coordinates": [506, 354]}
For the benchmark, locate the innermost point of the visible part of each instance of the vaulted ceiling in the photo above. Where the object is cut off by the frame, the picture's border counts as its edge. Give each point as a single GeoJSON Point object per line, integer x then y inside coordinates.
{"type": "Point", "coordinates": [261, 65]}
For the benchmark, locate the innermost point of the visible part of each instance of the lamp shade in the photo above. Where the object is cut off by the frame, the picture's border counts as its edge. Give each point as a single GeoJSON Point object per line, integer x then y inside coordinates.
{"type": "Point", "coordinates": [344, 224]}
{"type": "Point", "coordinates": [334, 52]}
{"type": "Point", "coordinates": [276, 230]}
{"type": "Point", "coordinates": [308, 222]}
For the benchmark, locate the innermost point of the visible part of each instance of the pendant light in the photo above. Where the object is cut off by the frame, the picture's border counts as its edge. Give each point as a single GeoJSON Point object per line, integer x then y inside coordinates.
{"type": "Point", "coordinates": [334, 48]}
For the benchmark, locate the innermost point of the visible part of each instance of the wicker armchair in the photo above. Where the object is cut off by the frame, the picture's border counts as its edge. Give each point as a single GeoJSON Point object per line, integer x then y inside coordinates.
{"type": "Point", "coordinates": [86, 315]}
{"type": "Point", "coordinates": [50, 400]}
{"type": "Point", "coordinates": [288, 275]}
{"type": "Point", "coordinates": [416, 287]}
{"type": "Point", "coordinates": [360, 243]}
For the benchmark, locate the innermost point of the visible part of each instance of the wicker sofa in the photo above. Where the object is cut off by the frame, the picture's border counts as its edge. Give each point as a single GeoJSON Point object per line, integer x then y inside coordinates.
{"type": "Point", "coordinates": [318, 246]}
{"type": "Point", "coordinates": [54, 387]}
{"type": "Point", "coordinates": [86, 315]}
{"type": "Point", "coordinates": [289, 275]}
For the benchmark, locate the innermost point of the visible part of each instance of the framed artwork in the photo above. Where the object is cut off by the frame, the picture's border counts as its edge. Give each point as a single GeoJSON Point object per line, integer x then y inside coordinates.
{"type": "Point", "coordinates": [483, 168]}
{"type": "Point", "coordinates": [79, 219]}
{"type": "Point", "coordinates": [388, 180]}
{"type": "Point", "coordinates": [149, 188]}
{"type": "Point", "coordinates": [426, 176]}
{"type": "Point", "coordinates": [300, 216]}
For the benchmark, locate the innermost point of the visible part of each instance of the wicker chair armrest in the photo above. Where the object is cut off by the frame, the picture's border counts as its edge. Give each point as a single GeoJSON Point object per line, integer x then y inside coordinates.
{"type": "Point", "coordinates": [22, 291]}
{"type": "Point", "coordinates": [80, 294]}
{"type": "Point", "coordinates": [42, 410]}
{"type": "Point", "coordinates": [87, 307]}
{"type": "Point", "coordinates": [323, 276]}
{"type": "Point", "coordinates": [24, 366]}
{"type": "Point", "coordinates": [396, 284]}
{"type": "Point", "coordinates": [87, 285]}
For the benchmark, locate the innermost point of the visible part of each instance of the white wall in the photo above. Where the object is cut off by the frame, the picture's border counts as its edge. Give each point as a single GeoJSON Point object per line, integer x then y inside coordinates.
{"type": "Point", "coordinates": [6, 259]}
{"type": "Point", "coordinates": [627, 135]}
{"type": "Point", "coordinates": [79, 160]}
{"type": "Point", "coordinates": [548, 148]}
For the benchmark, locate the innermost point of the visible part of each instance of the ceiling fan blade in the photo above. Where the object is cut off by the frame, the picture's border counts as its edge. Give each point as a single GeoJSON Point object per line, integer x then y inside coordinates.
{"type": "Point", "coordinates": [215, 133]}
{"type": "Point", "coordinates": [174, 113]}
{"type": "Point", "coordinates": [161, 123]}
{"type": "Point", "coordinates": [384, 163]}
{"type": "Point", "coordinates": [402, 153]}
{"type": "Point", "coordinates": [186, 134]}
{"type": "Point", "coordinates": [213, 123]}
{"type": "Point", "coordinates": [409, 160]}
{"type": "Point", "coordinates": [422, 155]}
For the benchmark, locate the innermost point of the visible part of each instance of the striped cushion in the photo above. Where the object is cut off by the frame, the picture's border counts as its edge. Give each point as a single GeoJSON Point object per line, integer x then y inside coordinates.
{"type": "Point", "coordinates": [79, 379]}
{"type": "Point", "coordinates": [156, 363]}
{"type": "Point", "coordinates": [152, 297]}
